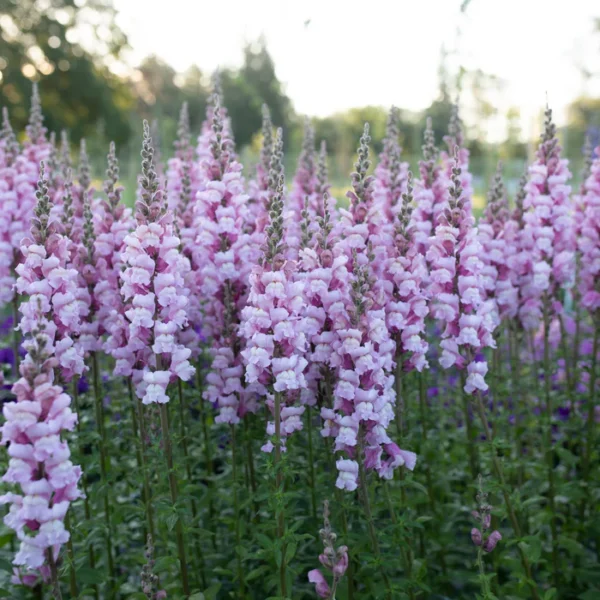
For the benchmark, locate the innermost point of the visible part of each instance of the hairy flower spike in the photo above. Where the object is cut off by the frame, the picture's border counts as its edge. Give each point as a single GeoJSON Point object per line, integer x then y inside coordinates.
{"type": "Point", "coordinates": [111, 188]}
{"type": "Point", "coordinates": [65, 162]}
{"type": "Point", "coordinates": [40, 225]}
{"type": "Point", "coordinates": [360, 198]}
{"type": "Point", "coordinates": [183, 144]}
{"type": "Point", "coordinates": [151, 207]}
{"type": "Point", "coordinates": [274, 231]}
{"type": "Point", "coordinates": [35, 128]}
{"type": "Point", "coordinates": [84, 173]}
{"type": "Point", "coordinates": [68, 212]}
{"type": "Point", "coordinates": [455, 130]}
{"type": "Point", "coordinates": [267, 147]}
{"type": "Point", "coordinates": [9, 139]}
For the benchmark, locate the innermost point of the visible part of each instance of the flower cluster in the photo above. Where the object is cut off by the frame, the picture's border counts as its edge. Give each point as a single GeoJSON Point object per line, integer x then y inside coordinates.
{"type": "Point", "coordinates": [457, 289]}
{"type": "Point", "coordinates": [39, 457]}
{"type": "Point", "coordinates": [273, 323]}
{"type": "Point", "coordinates": [548, 235]}
{"type": "Point", "coordinates": [153, 290]}
{"type": "Point", "coordinates": [221, 269]}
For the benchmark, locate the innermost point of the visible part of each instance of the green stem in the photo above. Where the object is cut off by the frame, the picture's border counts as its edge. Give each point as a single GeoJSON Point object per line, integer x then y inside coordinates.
{"type": "Point", "coordinates": [188, 471]}
{"type": "Point", "coordinates": [406, 556]}
{"type": "Point", "coordinates": [280, 516]}
{"type": "Point", "coordinates": [136, 441]}
{"type": "Point", "coordinates": [144, 438]}
{"type": "Point", "coordinates": [207, 457]}
{"type": "Point", "coordinates": [311, 466]}
{"type": "Point", "coordinates": [364, 493]}
{"type": "Point", "coordinates": [164, 423]}
{"type": "Point", "coordinates": [489, 436]}
{"type": "Point", "coordinates": [470, 431]}
{"type": "Point", "coordinates": [485, 587]}
{"type": "Point", "coordinates": [548, 442]}
{"type": "Point", "coordinates": [56, 593]}
{"type": "Point", "coordinates": [237, 515]}
{"type": "Point", "coordinates": [86, 500]}
{"type": "Point", "coordinates": [71, 555]}
{"type": "Point", "coordinates": [591, 421]}
{"type": "Point", "coordinates": [103, 467]}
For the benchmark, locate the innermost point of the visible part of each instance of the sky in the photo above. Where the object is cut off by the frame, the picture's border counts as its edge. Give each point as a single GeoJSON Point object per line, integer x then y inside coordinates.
{"type": "Point", "coordinates": [337, 54]}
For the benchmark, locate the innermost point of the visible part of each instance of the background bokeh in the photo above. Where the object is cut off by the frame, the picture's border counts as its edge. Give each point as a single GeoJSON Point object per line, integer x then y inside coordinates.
{"type": "Point", "coordinates": [102, 66]}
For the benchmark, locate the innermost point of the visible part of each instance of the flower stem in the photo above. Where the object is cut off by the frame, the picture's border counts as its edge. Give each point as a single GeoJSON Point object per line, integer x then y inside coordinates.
{"type": "Point", "coordinates": [136, 441]}
{"type": "Point", "coordinates": [103, 467]}
{"type": "Point", "coordinates": [71, 555]}
{"type": "Point", "coordinates": [364, 493]}
{"type": "Point", "coordinates": [86, 501]}
{"type": "Point", "coordinates": [406, 556]}
{"type": "Point", "coordinates": [164, 423]}
{"type": "Point", "coordinates": [485, 587]}
{"type": "Point", "coordinates": [279, 484]}
{"type": "Point", "coordinates": [400, 408]}
{"type": "Point", "coordinates": [237, 515]}
{"type": "Point", "coordinates": [207, 457]}
{"type": "Point", "coordinates": [548, 440]}
{"type": "Point", "coordinates": [188, 471]}
{"type": "Point", "coordinates": [311, 466]}
{"type": "Point", "coordinates": [144, 439]}
{"type": "Point", "coordinates": [56, 593]}
{"type": "Point", "coordinates": [473, 462]}
{"type": "Point", "coordinates": [508, 502]}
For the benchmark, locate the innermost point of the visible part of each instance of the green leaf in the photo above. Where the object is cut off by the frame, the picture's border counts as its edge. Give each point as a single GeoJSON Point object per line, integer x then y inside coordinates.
{"type": "Point", "coordinates": [90, 576]}
{"type": "Point", "coordinates": [257, 572]}
{"type": "Point", "coordinates": [550, 594]}
{"type": "Point", "coordinates": [164, 563]}
{"type": "Point", "coordinates": [197, 596]}
{"type": "Point", "coordinates": [5, 565]}
{"type": "Point", "coordinates": [212, 591]}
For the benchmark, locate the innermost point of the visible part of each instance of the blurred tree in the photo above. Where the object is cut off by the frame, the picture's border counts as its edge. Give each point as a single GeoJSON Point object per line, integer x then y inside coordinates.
{"type": "Point", "coordinates": [68, 46]}
{"type": "Point", "coordinates": [513, 146]}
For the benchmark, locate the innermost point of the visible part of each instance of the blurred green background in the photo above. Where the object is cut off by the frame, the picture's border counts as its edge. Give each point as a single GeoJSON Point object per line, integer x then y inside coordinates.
{"type": "Point", "coordinates": [81, 93]}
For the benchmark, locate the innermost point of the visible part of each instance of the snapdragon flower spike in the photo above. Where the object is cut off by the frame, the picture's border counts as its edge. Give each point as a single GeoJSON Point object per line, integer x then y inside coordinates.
{"type": "Point", "coordinates": [153, 289]}
{"type": "Point", "coordinates": [455, 138]}
{"type": "Point", "coordinates": [223, 271]}
{"type": "Point", "coordinates": [39, 458]}
{"type": "Point", "coordinates": [430, 192]}
{"type": "Point", "coordinates": [362, 349]}
{"type": "Point", "coordinates": [589, 242]}
{"type": "Point", "coordinates": [273, 322]}
{"type": "Point", "coordinates": [333, 559]}
{"type": "Point", "coordinates": [408, 306]}
{"type": "Point", "coordinates": [17, 197]}
{"type": "Point", "coordinates": [203, 148]}
{"type": "Point", "coordinates": [183, 177]}
{"type": "Point", "coordinates": [497, 277]}
{"type": "Point", "coordinates": [36, 147]}
{"type": "Point", "coordinates": [112, 222]}
{"type": "Point", "coordinates": [360, 228]}
{"type": "Point", "coordinates": [304, 192]}
{"type": "Point", "coordinates": [483, 517]}
{"type": "Point", "coordinates": [458, 297]}
{"type": "Point", "coordinates": [391, 174]}
{"type": "Point", "coordinates": [47, 273]}
{"type": "Point", "coordinates": [549, 232]}
{"type": "Point", "coordinates": [325, 279]}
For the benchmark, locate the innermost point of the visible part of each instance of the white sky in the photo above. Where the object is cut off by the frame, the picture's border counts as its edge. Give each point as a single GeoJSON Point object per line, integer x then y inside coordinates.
{"type": "Point", "coordinates": [382, 52]}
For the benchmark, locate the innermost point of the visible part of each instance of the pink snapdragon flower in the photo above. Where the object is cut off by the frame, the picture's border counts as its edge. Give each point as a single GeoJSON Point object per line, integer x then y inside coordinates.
{"type": "Point", "coordinates": [458, 297]}
{"type": "Point", "coordinates": [222, 271]}
{"type": "Point", "coordinates": [589, 241]}
{"type": "Point", "coordinates": [112, 222]}
{"type": "Point", "coordinates": [549, 232]}
{"type": "Point", "coordinates": [362, 350]}
{"type": "Point", "coordinates": [39, 458]}
{"type": "Point", "coordinates": [272, 320]}
{"type": "Point", "coordinates": [18, 176]}
{"type": "Point", "coordinates": [498, 247]}
{"type": "Point", "coordinates": [154, 292]}
{"type": "Point", "coordinates": [408, 306]}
